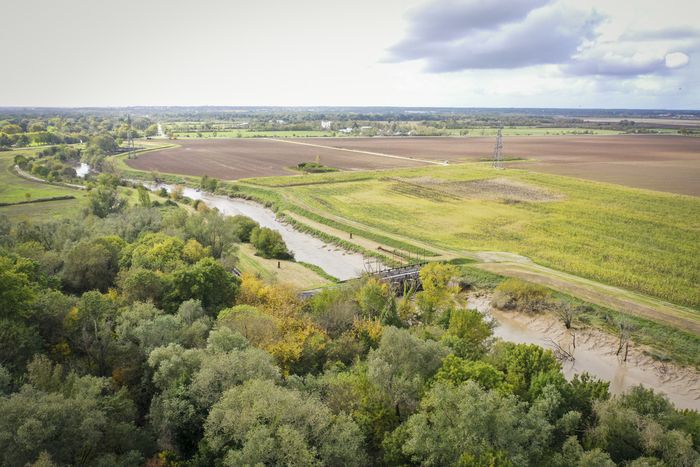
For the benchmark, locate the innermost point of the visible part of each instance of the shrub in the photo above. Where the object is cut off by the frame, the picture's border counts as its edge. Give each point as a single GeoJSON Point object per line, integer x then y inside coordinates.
{"type": "Point", "coordinates": [515, 294]}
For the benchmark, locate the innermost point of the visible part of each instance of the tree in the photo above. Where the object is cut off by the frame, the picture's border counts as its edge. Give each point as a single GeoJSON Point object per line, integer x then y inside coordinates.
{"type": "Point", "coordinates": [193, 251]}
{"type": "Point", "coordinates": [261, 423]}
{"type": "Point", "coordinates": [257, 327]}
{"type": "Point", "coordinates": [104, 200]}
{"type": "Point", "coordinates": [269, 243]}
{"type": "Point", "coordinates": [75, 420]}
{"type": "Point", "coordinates": [19, 338]}
{"type": "Point", "coordinates": [92, 264]}
{"type": "Point", "coordinates": [151, 130]}
{"type": "Point", "coordinates": [221, 371]}
{"type": "Point", "coordinates": [373, 297]}
{"type": "Point", "coordinates": [243, 227]}
{"type": "Point", "coordinates": [90, 330]}
{"type": "Point", "coordinates": [439, 289]}
{"type": "Point", "coordinates": [458, 370]}
{"type": "Point", "coordinates": [466, 425]}
{"type": "Point", "coordinates": [102, 144]}
{"type": "Point", "coordinates": [468, 334]}
{"type": "Point", "coordinates": [144, 196]}
{"type": "Point", "coordinates": [142, 285]}
{"type": "Point", "coordinates": [155, 251]}
{"type": "Point", "coordinates": [213, 230]}
{"type": "Point", "coordinates": [206, 281]}
{"type": "Point", "coordinates": [634, 425]}
{"type": "Point", "coordinates": [401, 365]}
{"type": "Point", "coordinates": [522, 363]}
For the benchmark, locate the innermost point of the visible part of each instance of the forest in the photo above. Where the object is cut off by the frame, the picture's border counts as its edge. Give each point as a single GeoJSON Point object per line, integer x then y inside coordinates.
{"type": "Point", "coordinates": [126, 339]}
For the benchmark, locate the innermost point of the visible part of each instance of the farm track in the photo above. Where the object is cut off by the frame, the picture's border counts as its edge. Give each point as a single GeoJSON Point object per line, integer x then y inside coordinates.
{"type": "Point", "coordinates": [357, 151]}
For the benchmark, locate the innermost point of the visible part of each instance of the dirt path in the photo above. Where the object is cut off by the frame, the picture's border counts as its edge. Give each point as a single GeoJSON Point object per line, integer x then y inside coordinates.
{"type": "Point", "coordinates": [31, 177]}
{"type": "Point", "coordinates": [358, 151]}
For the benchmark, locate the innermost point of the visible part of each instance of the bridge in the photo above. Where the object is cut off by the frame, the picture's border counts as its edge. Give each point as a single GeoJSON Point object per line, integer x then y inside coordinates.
{"type": "Point", "coordinates": [399, 279]}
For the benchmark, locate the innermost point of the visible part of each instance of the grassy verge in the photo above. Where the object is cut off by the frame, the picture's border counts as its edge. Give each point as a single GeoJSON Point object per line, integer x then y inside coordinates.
{"type": "Point", "coordinates": [43, 211]}
{"type": "Point", "coordinates": [319, 271]}
{"type": "Point", "coordinates": [298, 275]}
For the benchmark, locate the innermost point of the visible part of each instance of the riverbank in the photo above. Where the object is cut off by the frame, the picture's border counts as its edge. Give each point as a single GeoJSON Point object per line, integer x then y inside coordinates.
{"type": "Point", "coordinates": [332, 259]}
{"type": "Point", "coordinates": [595, 352]}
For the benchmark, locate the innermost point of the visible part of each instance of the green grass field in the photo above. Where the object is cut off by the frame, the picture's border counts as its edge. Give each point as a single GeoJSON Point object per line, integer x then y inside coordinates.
{"type": "Point", "coordinates": [290, 272]}
{"type": "Point", "coordinates": [14, 189]}
{"type": "Point", "coordinates": [42, 211]}
{"type": "Point", "coordinates": [639, 240]}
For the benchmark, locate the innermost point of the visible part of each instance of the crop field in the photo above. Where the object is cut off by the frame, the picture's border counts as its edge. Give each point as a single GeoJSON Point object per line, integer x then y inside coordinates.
{"type": "Point", "coordinates": [644, 241]}
{"type": "Point", "coordinates": [664, 163]}
{"type": "Point", "coordinates": [241, 158]}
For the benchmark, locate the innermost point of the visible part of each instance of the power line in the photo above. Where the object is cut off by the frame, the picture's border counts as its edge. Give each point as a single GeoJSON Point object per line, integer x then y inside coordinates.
{"type": "Point", "coordinates": [497, 158]}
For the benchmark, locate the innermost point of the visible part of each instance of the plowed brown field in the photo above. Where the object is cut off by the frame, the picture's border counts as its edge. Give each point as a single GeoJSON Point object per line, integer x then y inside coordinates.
{"type": "Point", "coordinates": [665, 163]}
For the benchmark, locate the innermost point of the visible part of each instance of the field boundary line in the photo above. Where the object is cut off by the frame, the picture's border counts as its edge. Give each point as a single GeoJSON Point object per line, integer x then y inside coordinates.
{"type": "Point", "coordinates": [358, 151]}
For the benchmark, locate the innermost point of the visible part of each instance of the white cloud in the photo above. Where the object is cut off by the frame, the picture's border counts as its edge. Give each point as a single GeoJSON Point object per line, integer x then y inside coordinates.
{"type": "Point", "coordinates": [676, 60]}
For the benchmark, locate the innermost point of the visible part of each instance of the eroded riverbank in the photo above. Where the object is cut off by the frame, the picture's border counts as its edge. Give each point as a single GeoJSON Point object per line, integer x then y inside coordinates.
{"type": "Point", "coordinates": [595, 353]}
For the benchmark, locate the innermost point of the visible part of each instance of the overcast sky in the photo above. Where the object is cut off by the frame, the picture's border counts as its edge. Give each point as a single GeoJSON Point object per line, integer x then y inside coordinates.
{"type": "Point", "coordinates": [463, 53]}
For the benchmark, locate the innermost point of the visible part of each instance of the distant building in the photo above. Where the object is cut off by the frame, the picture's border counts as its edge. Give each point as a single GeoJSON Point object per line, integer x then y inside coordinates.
{"type": "Point", "coordinates": [345, 130]}
{"type": "Point", "coordinates": [326, 125]}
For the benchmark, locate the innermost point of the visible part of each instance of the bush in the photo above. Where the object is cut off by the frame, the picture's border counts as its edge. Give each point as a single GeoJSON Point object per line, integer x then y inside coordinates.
{"type": "Point", "coordinates": [515, 294]}
{"type": "Point", "coordinates": [269, 243]}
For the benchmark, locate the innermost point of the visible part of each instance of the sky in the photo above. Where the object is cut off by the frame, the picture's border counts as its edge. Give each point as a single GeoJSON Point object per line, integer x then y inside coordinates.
{"type": "Point", "coordinates": [431, 53]}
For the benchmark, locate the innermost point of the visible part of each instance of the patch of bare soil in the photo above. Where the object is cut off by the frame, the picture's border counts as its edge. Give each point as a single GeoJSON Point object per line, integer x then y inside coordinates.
{"type": "Point", "coordinates": [501, 189]}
